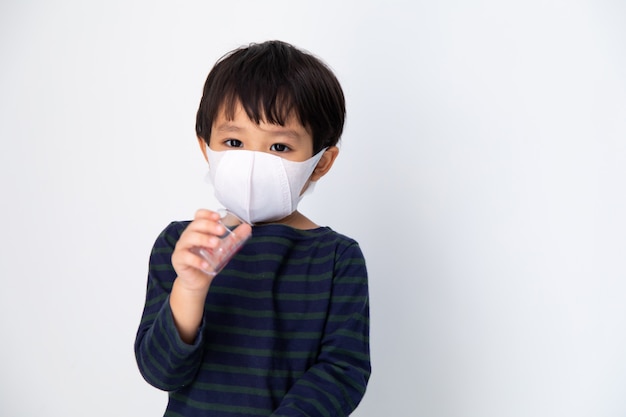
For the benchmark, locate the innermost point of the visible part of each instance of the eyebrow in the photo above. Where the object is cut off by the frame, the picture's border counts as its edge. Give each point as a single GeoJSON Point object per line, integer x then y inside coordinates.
{"type": "Point", "coordinates": [280, 131]}
{"type": "Point", "coordinates": [228, 127]}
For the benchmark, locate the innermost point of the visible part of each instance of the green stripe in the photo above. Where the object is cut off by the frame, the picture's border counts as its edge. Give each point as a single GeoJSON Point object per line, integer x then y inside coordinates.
{"type": "Point", "coordinates": [156, 365]}
{"type": "Point", "coordinates": [326, 394]}
{"type": "Point", "coordinates": [264, 333]}
{"type": "Point", "coordinates": [347, 353]}
{"type": "Point", "coordinates": [326, 377]}
{"type": "Point", "coordinates": [246, 370]}
{"type": "Point", "coordinates": [352, 335]}
{"type": "Point", "coordinates": [172, 240]}
{"type": "Point", "coordinates": [171, 351]}
{"type": "Point", "coordinates": [254, 276]}
{"type": "Point", "coordinates": [351, 262]}
{"type": "Point", "coordinates": [156, 300]}
{"type": "Point", "coordinates": [173, 414]}
{"type": "Point", "coordinates": [340, 366]}
{"type": "Point", "coordinates": [148, 318]}
{"type": "Point", "coordinates": [358, 317]}
{"type": "Point", "coordinates": [239, 311]}
{"type": "Point", "coordinates": [315, 403]}
{"type": "Point", "coordinates": [161, 250]}
{"type": "Point", "coordinates": [266, 353]}
{"type": "Point", "coordinates": [265, 257]}
{"type": "Point", "coordinates": [348, 280]}
{"type": "Point", "coordinates": [361, 299]}
{"type": "Point", "coordinates": [299, 246]}
{"type": "Point", "coordinates": [145, 368]}
{"type": "Point", "coordinates": [272, 295]}
{"type": "Point", "coordinates": [219, 407]}
{"type": "Point", "coordinates": [161, 267]}
{"type": "Point", "coordinates": [238, 389]}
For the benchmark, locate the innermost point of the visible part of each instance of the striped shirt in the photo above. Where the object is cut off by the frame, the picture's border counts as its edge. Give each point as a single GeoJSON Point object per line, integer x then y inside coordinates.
{"type": "Point", "coordinates": [285, 329]}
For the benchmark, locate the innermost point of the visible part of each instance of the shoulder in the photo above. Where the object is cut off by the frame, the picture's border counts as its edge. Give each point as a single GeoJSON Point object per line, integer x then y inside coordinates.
{"type": "Point", "coordinates": [320, 235]}
{"type": "Point", "coordinates": [345, 245]}
{"type": "Point", "coordinates": [175, 228]}
{"type": "Point", "coordinates": [322, 243]}
{"type": "Point", "coordinates": [168, 237]}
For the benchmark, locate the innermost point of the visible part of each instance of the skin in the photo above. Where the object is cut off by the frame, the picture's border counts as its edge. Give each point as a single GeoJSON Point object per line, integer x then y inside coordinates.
{"type": "Point", "coordinates": [293, 142]}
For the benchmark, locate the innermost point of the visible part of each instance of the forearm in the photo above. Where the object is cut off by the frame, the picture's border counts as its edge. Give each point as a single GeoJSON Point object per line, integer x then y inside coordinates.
{"type": "Point", "coordinates": [187, 310]}
{"type": "Point", "coordinates": [164, 359]}
{"type": "Point", "coordinates": [326, 388]}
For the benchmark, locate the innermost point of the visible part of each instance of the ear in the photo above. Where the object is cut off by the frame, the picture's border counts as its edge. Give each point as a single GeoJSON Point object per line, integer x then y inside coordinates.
{"type": "Point", "coordinates": [325, 163]}
{"type": "Point", "coordinates": [203, 146]}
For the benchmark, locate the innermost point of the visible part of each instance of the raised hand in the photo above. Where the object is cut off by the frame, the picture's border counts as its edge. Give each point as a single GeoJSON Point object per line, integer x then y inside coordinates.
{"type": "Point", "coordinates": [195, 271]}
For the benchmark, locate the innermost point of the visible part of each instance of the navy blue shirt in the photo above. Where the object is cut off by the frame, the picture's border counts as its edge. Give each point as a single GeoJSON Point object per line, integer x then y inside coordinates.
{"type": "Point", "coordinates": [285, 329]}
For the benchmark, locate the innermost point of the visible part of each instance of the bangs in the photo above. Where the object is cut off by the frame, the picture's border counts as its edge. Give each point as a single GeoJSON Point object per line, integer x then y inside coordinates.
{"type": "Point", "coordinates": [260, 104]}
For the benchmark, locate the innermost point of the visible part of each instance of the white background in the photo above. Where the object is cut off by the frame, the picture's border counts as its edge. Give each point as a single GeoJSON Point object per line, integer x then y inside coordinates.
{"type": "Point", "coordinates": [482, 170]}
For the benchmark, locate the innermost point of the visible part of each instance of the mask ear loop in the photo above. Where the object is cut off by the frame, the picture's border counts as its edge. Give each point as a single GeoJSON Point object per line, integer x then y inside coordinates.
{"type": "Point", "coordinates": [207, 176]}
{"type": "Point", "coordinates": [311, 187]}
{"type": "Point", "coordinates": [248, 190]}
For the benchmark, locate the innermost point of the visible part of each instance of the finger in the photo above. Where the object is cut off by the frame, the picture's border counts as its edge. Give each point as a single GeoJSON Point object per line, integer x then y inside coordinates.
{"type": "Point", "coordinates": [206, 214]}
{"type": "Point", "coordinates": [196, 239]}
{"type": "Point", "coordinates": [207, 226]}
{"type": "Point", "coordinates": [196, 258]}
{"type": "Point", "coordinates": [185, 260]}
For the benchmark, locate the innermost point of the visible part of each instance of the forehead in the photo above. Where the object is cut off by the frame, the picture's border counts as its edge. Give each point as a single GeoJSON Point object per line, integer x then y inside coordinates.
{"type": "Point", "coordinates": [236, 119]}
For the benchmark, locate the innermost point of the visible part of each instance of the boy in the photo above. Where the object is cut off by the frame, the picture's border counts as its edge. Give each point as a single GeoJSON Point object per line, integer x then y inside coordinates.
{"type": "Point", "coordinates": [283, 329]}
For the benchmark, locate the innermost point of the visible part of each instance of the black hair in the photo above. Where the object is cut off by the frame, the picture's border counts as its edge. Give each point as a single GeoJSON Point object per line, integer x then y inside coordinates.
{"type": "Point", "coordinates": [272, 80]}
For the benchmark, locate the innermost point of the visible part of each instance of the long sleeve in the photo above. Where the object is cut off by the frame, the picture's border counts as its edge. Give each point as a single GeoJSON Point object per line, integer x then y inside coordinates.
{"type": "Point", "coordinates": [164, 360]}
{"type": "Point", "coordinates": [285, 330]}
{"type": "Point", "coordinates": [336, 382]}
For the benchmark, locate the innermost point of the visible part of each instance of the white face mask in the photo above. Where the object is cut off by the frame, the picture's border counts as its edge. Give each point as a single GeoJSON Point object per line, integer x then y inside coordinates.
{"type": "Point", "coordinates": [258, 186]}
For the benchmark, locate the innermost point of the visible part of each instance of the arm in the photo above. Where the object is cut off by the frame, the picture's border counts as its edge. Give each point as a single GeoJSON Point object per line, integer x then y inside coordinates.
{"type": "Point", "coordinates": [335, 384]}
{"type": "Point", "coordinates": [191, 284]}
{"type": "Point", "coordinates": [168, 346]}
{"type": "Point", "coordinates": [164, 359]}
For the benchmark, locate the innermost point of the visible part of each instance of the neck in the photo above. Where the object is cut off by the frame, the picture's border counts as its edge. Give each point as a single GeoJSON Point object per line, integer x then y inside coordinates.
{"type": "Point", "coordinates": [296, 220]}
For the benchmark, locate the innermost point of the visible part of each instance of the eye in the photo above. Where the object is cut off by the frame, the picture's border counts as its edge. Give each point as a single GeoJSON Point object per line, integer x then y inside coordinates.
{"type": "Point", "coordinates": [233, 143]}
{"type": "Point", "coordinates": [279, 147]}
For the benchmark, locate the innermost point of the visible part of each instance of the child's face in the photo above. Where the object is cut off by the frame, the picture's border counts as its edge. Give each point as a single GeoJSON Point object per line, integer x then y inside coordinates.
{"type": "Point", "coordinates": [292, 141]}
